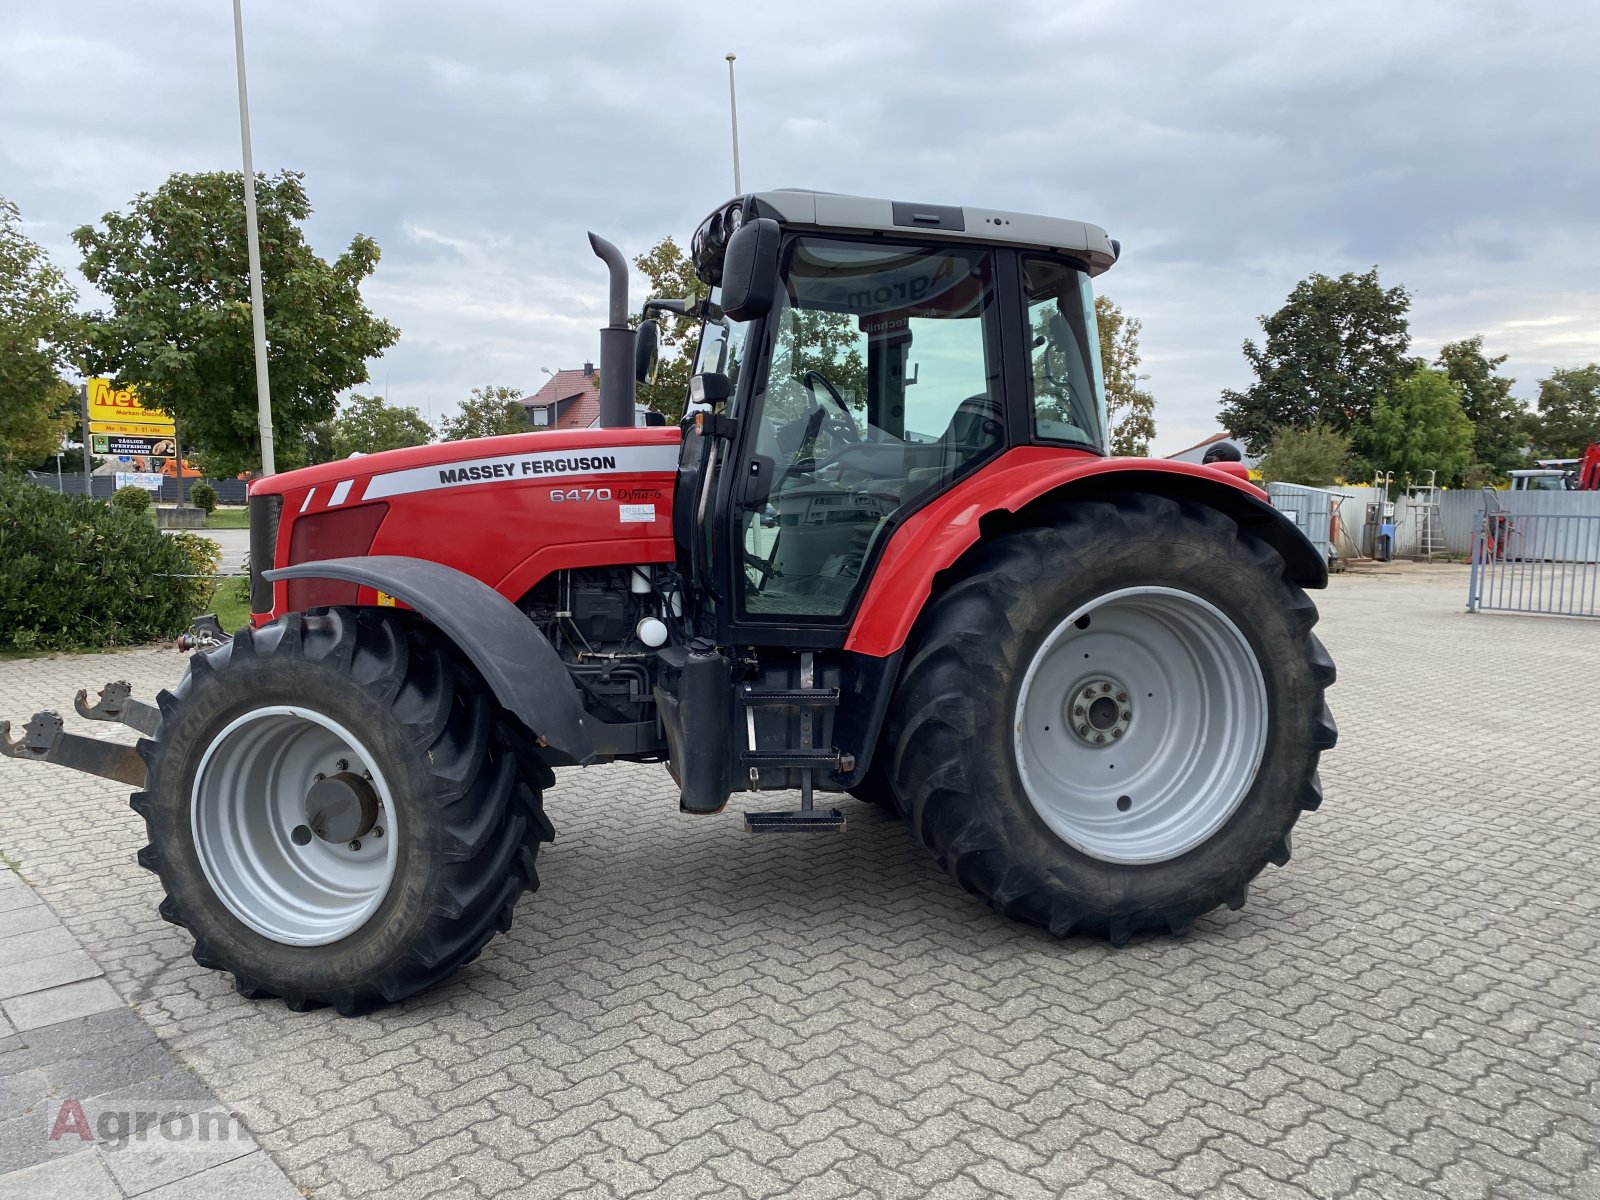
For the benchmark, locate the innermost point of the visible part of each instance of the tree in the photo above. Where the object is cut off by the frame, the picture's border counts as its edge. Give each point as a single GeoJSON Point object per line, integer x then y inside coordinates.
{"type": "Point", "coordinates": [175, 269]}
{"type": "Point", "coordinates": [1569, 411]}
{"type": "Point", "coordinates": [1333, 348]}
{"type": "Point", "coordinates": [1497, 418]}
{"type": "Point", "coordinates": [486, 412]}
{"type": "Point", "coordinates": [1418, 427]}
{"type": "Point", "coordinates": [368, 424]}
{"type": "Point", "coordinates": [1130, 410]}
{"type": "Point", "coordinates": [672, 276]}
{"type": "Point", "coordinates": [1315, 457]}
{"type": "Point", "coordinates": [40, 334]}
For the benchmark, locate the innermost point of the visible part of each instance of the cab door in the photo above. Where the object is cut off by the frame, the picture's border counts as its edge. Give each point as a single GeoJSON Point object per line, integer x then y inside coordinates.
{"type": "Point", "coordinates": [885, 383]}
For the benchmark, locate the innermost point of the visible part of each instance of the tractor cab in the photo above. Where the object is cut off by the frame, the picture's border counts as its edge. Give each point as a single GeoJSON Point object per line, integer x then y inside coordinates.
{"type": "Point", "coordinates": [858, 359]}
{"type": "Point", "coordinates": [1541, 479]}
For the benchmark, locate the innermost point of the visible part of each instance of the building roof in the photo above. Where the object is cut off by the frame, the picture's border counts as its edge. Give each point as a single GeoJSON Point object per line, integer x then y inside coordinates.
{"type": "Point", "coordinates": [578, 385]}
{"type": "Point", "coordinates": [1215, 437]}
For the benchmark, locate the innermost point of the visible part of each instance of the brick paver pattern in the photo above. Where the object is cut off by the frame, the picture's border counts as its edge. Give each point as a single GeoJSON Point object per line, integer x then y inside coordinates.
{"type": "Point", "coordinates": [1409, 1009]}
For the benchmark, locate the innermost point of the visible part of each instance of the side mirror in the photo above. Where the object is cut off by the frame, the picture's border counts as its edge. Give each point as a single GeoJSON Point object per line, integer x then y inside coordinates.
{"type": "Point", "coordinates": [750, 270]}
{"type": "Point", "coordinates": [646, 351]}
{"type": "Point", "coordinates": [652, 417]}
{"type": "Point", "coordinates": [710, 388]}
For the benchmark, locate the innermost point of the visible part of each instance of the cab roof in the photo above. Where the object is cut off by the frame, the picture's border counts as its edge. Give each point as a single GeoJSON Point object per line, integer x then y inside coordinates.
{"type": "Point", "coordinates": [862, 214]}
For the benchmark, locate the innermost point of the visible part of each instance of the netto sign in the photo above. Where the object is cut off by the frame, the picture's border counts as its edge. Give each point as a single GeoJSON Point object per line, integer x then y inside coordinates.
{"type": "Point", "coordinates": [109, 407]}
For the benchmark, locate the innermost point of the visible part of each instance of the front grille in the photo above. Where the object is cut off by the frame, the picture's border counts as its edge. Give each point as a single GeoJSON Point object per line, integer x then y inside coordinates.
{"type": "Point", "coordinates": [265, 512]}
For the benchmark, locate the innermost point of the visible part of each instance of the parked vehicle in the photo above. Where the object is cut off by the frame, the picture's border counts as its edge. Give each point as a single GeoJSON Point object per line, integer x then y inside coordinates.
{"type": "Point", "coordinates": [887, 554]}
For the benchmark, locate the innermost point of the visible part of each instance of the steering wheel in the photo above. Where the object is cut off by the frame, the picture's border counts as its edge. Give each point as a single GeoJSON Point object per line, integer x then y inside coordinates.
{"type": "Point", "coordinates": [841, 424]}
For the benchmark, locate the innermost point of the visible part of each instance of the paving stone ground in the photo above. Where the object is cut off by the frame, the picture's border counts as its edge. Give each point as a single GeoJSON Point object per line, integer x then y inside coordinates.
{"type": "Point", "coordinates": [1410, 1008]}
{"type": "Point", "coordinates": [92, 1105]}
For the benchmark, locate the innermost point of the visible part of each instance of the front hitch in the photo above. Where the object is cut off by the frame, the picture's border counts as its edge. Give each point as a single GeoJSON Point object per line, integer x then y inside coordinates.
{"type": "Point", "coordinates": [45, 739]}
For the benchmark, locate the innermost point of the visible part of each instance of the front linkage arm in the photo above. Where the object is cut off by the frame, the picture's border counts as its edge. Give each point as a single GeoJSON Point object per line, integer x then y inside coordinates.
{"type": "Point", "coordinates": [45, 739]}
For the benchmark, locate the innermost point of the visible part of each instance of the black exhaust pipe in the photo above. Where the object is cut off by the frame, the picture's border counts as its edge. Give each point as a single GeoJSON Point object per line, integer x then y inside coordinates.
{"type": "Point", "coordinates": [616, 344]}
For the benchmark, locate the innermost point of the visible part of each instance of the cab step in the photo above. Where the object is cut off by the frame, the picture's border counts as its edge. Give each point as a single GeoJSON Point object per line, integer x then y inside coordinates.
{"type": "Point", "coordinates": [800, 697]}
{"type": "Point", "coordinates": [798, 757]}
{"type": "Point", "coordinates": [813, 820]}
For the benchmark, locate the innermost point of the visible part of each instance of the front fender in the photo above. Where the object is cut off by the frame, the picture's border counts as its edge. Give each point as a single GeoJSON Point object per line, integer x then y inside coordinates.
{"type": "Point", "coordinates": [518, 663]}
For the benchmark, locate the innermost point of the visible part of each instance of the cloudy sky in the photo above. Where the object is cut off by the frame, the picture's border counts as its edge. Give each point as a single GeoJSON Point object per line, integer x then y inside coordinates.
{"type": "Point", "coordinates": [1233, 147]}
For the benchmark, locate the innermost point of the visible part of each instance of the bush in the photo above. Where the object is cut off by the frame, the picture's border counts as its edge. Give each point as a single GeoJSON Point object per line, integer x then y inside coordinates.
{"type": "Point", "coordinates": [203, 495]}
{"type": "Point", "coordinates": [131, 499]}
{"type": "Point", "coordinates": [1315, 457]}
{"type": "Point", "coordinates": [77, 572]}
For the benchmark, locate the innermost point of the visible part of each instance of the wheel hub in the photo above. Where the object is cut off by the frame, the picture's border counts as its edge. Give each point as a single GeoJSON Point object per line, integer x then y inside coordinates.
{"type": "Point", "coordinates": [343, 807]}
{"type": "Point", "coordinates": [1101, 710]}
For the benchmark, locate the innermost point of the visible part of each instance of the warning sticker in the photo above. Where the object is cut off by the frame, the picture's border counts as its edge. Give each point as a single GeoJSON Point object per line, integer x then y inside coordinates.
{"type": "Point", "coordinates": [641, 513]}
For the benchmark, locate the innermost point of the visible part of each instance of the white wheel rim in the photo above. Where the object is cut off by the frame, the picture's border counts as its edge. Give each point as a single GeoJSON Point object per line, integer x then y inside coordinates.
{"type": "Point", "coordinates": [249, 819]}
{"type": "Point", "coordinates": [1154, 766]}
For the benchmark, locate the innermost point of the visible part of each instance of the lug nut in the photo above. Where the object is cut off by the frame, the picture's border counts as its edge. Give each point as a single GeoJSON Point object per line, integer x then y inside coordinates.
{"type": "Point", "coordinates": [1077, 710]}
{"type": "Point", "coordinates": [319, 777]}
{"type": "Point", "coordinates": [366, 774]}
{"type": "Point", "coordinates": [342, 765]}
{"type": "Point", "coordinates": [1083, 730]}
{"type": "Point", "coordinates": [1122, 697]}
{"type": "Point", "coordinates": [377, 831]}
{"type": "Point", "coordinates": [1116, 733]}
{"type": "Point", "coordinates": [356, 844]}
{"type": "Point", "coordinates": [1098, 738]}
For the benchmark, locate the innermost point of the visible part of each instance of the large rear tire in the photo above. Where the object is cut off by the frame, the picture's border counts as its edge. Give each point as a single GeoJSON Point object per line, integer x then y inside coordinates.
{"type": "Point", "coordinates": [1111, 722]}
{"type": "Point", "coordinates": [339, 810]}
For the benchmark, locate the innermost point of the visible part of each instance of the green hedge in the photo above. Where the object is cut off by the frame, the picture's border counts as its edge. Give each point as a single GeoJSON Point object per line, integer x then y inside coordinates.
{"type": "Point", "coordinates": [83, 573]}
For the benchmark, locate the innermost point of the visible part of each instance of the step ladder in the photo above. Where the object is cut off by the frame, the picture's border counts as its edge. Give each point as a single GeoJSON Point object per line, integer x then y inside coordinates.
{"type": "Point", "coordinates": [1424, 503]}
{"type": "Point", "coordinates": [809, 700]}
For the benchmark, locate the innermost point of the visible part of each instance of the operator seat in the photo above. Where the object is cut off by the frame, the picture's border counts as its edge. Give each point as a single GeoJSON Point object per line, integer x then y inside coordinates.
{"type": "Point", "coordinates": [976, 428]}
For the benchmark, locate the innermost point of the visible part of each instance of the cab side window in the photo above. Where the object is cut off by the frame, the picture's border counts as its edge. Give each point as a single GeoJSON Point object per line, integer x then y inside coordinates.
{"type": "Point", "coordinates": [1065, 357]}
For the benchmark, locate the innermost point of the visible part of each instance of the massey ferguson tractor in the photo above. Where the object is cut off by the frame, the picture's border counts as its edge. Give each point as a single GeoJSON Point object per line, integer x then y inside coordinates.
{"type": "Point", "coordinates": [885, 554]}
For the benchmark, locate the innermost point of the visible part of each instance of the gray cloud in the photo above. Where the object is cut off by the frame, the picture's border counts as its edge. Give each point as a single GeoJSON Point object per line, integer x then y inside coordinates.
{"type": "Point", "coordinates": [1232, 147]}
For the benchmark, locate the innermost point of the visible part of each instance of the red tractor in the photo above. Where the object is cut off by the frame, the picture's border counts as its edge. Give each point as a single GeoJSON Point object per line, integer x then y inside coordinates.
{"type": "Point", "coordinates": [885, 554]}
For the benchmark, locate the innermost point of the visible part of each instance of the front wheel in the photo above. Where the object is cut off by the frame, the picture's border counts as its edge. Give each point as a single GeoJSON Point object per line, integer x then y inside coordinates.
{"type": "Point", "coordinates": [1112, 721]}
{"type": "Point", "coordinates": [339, 810]}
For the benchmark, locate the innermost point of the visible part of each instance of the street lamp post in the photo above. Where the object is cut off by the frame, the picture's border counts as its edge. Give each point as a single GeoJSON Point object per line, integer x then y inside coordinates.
{"type": "Point", "coordinates": [253, 241]}
{"type": "Point", "coordinates": [733, 113]}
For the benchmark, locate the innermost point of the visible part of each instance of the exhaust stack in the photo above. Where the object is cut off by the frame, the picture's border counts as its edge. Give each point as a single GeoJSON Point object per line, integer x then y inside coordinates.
{"type": "Point", "coordinates": [616, 343]}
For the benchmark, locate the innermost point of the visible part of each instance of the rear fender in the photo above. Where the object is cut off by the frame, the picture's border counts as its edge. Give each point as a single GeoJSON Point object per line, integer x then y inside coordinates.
{"type": "Point", "coordinates": [1020, 482]}
{"type": "Point", "coordinates": [514, 658]}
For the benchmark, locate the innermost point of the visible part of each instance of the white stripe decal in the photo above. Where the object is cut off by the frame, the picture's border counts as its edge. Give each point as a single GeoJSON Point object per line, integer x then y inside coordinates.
{"type": "Point", "coordinates": [311, 495]}
{"type": "Point", "coordinates": [339, 493]}
{"type": "Point", "coordinates": [546, 464]}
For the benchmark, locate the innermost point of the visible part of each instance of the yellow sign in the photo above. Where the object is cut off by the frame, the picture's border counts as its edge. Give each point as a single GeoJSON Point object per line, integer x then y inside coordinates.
{"type": "Point", "coordinates": [112, 411]}
{"type": "Point", "coordinates": [123, 429]}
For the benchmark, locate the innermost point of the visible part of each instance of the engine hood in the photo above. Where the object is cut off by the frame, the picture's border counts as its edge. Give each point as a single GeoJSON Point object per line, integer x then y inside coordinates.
{"type": "Point", "coordinates": [518, 451]}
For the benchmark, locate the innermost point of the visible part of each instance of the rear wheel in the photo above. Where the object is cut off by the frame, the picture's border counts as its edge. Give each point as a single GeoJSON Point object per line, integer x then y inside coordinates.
{"type": "Point", "coordinates": [339, 810]}
{"type": "Point", "coordinates": [1163, 713]}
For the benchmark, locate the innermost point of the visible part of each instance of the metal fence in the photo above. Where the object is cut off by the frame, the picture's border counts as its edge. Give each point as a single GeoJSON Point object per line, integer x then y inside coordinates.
{"type": "Point", "coordinates": [229, 491]}
{"type": "Point", "coordinates": [1535, 562]}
